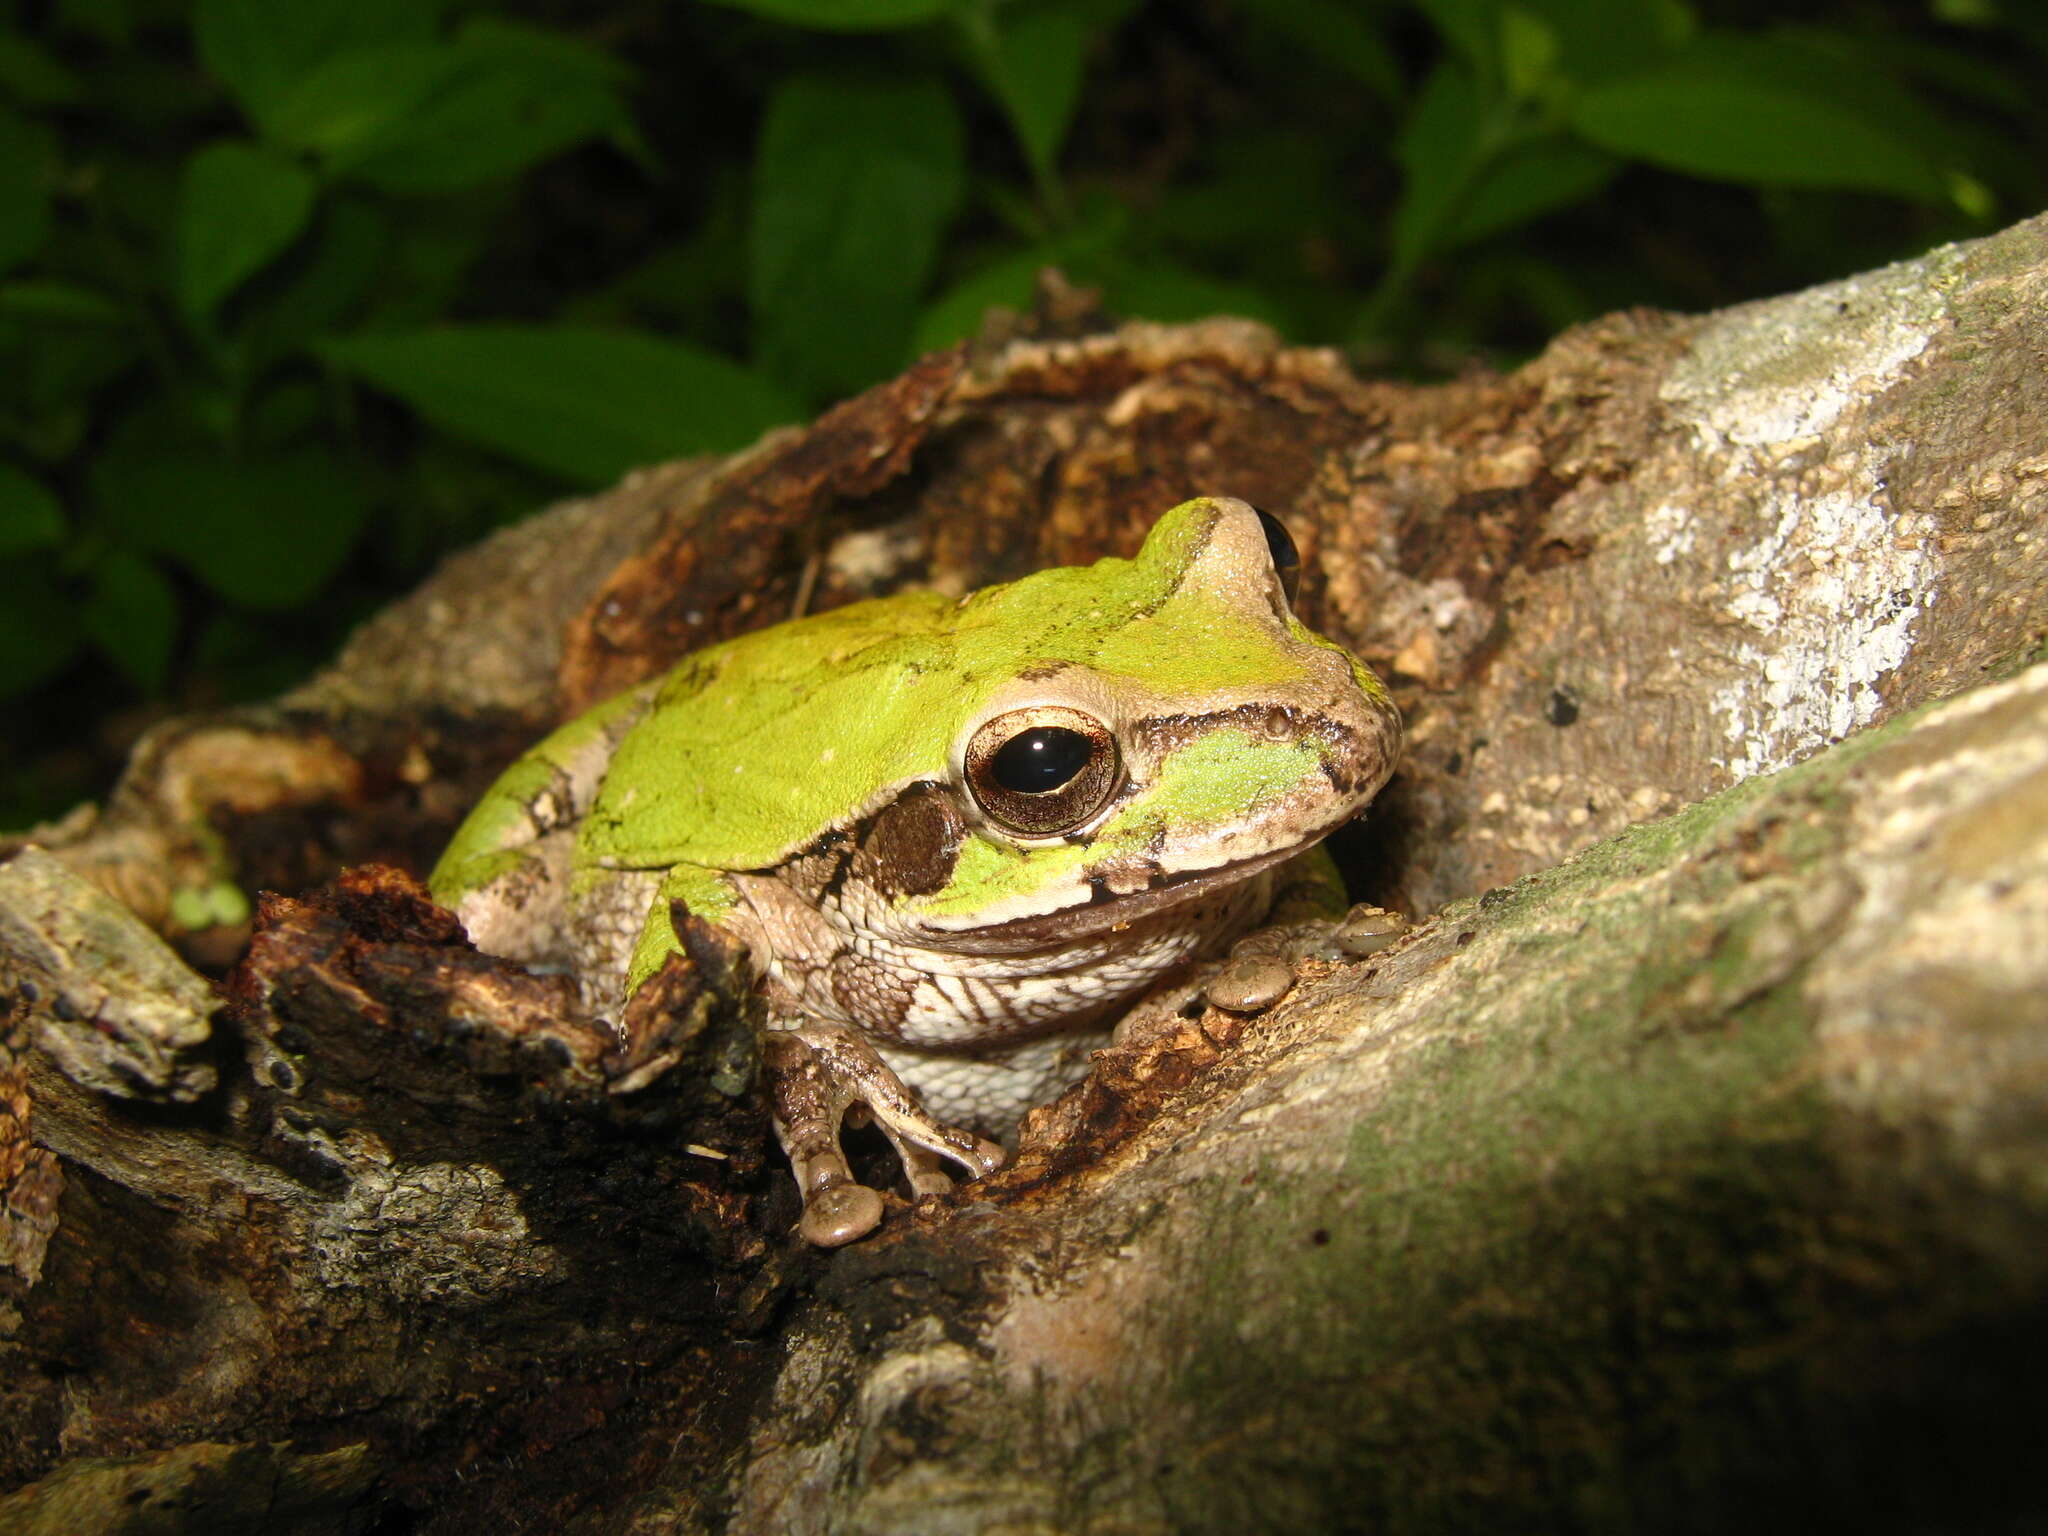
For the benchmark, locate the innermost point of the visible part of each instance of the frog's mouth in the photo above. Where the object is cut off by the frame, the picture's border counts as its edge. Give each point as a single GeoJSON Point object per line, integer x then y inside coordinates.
{"type": "Point", "coordinates": [1116, 898]}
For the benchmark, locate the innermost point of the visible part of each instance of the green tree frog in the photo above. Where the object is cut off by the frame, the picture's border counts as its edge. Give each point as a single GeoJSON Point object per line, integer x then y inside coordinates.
{"type": "Point", "coordinates": [955, 835]}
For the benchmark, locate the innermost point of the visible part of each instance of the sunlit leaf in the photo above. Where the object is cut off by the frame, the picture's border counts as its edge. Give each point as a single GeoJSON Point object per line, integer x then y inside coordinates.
{"type": "Point", "coordinates": [240, 205]}
{"type": "Point", "coordinates": [854, 184]}
{"type": "Point", "coordinates": [587, 404]}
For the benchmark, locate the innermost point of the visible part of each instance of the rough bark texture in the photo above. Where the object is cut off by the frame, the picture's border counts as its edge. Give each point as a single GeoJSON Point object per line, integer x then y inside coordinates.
{"type": "Point", "coordinates": [1684, 1166]}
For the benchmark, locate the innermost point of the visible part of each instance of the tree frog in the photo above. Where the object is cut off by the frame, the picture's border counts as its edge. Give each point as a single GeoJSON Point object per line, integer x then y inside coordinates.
{"type": "Point", "coordinates": [954, 835]}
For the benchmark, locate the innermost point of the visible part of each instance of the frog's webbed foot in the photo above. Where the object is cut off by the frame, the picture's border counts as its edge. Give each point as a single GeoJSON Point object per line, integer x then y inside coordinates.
{"type": "Point", "coordinates": [816, 1073]}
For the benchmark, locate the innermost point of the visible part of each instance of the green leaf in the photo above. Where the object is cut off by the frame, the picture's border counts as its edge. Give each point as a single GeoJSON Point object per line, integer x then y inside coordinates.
{"type": "Point", "coordinates": [1164, 290]}
{"type": "Point", "coordinates": [1442, 148]}
{"type": "Point", "coordinates": [1745, 110]}
{"type": "Point", "coordinates": [30, 73]}
{"type": "Point", "coordinates": [30, 517]}
{"type": "Point", "coordinates": [587, 404]}
{"type": "Point", "coordinates": [1033, 62]}
{"type": "Point", "coordinates": [958, 312]}
{"type": "Point", "coordinates": [131, 613]}
{"type": "Point", "coordinates": [427, 118]}
{"type": "Point", "coordinates": [1528, 52]}
{"type": "Point", "coordinates": [348, 250]}
{"type": "Point", "coordinates": [1469, 26]}
{"type": "Point", "coordinates": [853, 185]}
{"type": "Point", "coordinates": [240, 205]}
{"type": "Point", "coordinates": [111, 21]}
{"type": "Point", "coordinates": [39, 630]}
{"type": "Point", "coordinates": [1526, 181]}
{"type": "Point", "coordinates": [1337, 34]}
{"type": "Point", "coordinates": [505, 98]}
{"type": "Point", "coordinates": [262, 49]}
{"type": "Point", "coordinates": [1465, 178]}
{"type": "Point", "coordinates": [266, 532]}
{"type": "Point", "coordinates": [46, 299]}
{"type": "Point", "coordinates": [246, 658]}
{"type": "Point", "coordinates": [844, 15]}
{"type": "Point", "coordinates": [53, 365]}
{"type": "Point", "coordinates": [347, 101]}
{"type": "Point", "coordinates": [1010, 281]}
{"type": "Point", "coordinates": [24, 189]}
{"type": "Point", "coordinates": [1596, 40]}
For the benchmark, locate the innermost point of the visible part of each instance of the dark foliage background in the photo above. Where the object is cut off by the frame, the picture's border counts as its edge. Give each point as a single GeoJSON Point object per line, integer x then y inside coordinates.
{"type": "Point", "coordinates": [297, 295]}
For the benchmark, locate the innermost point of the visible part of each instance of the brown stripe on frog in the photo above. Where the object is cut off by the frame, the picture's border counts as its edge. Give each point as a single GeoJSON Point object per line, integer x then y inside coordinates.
{"type": "Point", "coordinates": [1164, 734]}
{"type": "Point", "coordinates": [909, 847]}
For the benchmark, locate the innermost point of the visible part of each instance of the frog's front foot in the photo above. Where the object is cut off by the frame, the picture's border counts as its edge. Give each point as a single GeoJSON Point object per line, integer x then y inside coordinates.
{"type": "Point", "coordinates": [816, 1073]}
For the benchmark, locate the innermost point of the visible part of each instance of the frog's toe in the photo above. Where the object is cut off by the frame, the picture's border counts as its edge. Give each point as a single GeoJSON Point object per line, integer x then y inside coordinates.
{"type": "Point", "coordinates": [839, 1214]}
{"type": "Point", "coordinates": [924, 1170]}
{"type": "Point", "coordinates": [821, 1076]}
{"type": "Point", "coordinates": [926, 1146]}
{"type": "Point", "coordinates": [1249, 983]}
{"type": "Point", "coordinates": [1366, 930]}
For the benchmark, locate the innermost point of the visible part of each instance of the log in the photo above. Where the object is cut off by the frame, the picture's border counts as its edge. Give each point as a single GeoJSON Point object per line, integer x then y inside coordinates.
{"type": "Point", "coordinates": [1682, 1165]}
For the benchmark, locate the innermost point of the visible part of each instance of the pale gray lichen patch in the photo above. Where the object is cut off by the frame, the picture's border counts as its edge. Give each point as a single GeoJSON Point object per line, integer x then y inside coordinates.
{"type": "Point", "coordinates": [1828, 598]}
{"type": "Point", "coordinates": [1775, 372]}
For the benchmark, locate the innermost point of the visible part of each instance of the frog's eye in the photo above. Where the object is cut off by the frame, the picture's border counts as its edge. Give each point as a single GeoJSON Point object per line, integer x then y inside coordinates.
{"type": "Point", "coordinates": [1042, 770]}
{"type": "Point", "coordinates": [1286, 558]}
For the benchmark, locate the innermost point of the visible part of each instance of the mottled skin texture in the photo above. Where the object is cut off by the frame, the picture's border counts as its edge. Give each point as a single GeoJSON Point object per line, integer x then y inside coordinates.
{"type": "Point", "coordinates": [955, 836]}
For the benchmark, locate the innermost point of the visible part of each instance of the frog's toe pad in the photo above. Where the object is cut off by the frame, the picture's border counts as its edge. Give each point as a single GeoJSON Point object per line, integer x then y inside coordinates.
{"type": "Point", "coordinates": [840, 1214]}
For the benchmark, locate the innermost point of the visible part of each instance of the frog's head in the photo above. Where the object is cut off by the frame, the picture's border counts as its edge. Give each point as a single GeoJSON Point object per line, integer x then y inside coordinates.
{"type": "Point", "coordinates": [1032, 763]}
{"type": "Point", "coordinates": [1140, 732]}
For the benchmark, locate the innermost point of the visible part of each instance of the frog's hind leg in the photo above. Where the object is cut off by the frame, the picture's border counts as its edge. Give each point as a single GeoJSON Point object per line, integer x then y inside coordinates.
{"type": "Point", "coordinates": [816, 1073]}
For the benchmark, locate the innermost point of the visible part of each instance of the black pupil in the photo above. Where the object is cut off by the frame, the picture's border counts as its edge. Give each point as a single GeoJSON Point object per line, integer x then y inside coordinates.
{"type": "Point", "coordinates": [1041, 759]}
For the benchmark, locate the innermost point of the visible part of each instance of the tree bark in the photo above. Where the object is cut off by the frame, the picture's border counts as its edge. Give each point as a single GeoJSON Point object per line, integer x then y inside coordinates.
{"type": "Point", "coordinates": [1684, 1165]}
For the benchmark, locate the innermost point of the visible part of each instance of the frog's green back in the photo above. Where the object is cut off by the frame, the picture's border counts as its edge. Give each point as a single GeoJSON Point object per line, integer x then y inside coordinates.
{"type": "Point", "coordinates": [755, 746]}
